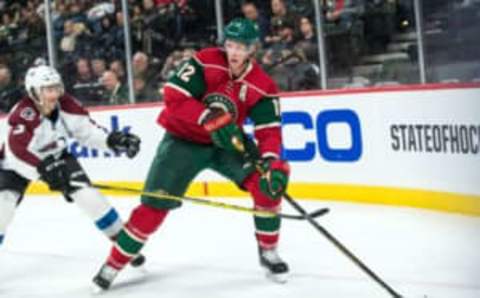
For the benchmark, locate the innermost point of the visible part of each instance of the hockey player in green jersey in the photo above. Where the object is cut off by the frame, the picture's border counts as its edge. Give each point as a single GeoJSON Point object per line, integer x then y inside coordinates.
{"type": "Point", "coordinates": [206, 104]}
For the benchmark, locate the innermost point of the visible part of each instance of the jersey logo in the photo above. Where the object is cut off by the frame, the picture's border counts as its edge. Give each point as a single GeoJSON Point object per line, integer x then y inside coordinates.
{"type": "Point", "coordinates": [59, 143]}
{"type": "Point", "coordinates": [223, 102]}
{"type": "Point", "coordinates": [28, 114]}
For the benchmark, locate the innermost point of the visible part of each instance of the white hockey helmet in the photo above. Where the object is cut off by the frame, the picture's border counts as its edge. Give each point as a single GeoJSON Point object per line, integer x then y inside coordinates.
{"type": "Point", "coordinates": [41, 76]}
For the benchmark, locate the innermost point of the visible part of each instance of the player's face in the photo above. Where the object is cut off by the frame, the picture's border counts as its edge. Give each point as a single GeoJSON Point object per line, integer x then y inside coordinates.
{"type": "Point", "coordinates": [237, 54]}
{"type": "Point", "coordinates": [48, 98]}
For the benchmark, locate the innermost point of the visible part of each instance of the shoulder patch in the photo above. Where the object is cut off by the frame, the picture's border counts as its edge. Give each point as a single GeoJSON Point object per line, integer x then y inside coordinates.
{"type": "Point", "coordinates": [24, 112]}
{"type": "Point", "coordinates": [28, 114]}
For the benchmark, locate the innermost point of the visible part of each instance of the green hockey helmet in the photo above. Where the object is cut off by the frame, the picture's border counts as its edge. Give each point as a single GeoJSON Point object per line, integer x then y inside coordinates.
{"type": "Point", "coordinates": [242, 30]}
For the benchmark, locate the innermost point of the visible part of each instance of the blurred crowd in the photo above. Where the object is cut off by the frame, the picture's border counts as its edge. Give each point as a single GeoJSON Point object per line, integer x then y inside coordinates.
{"type": "Point", "coordinates": [89, 36]}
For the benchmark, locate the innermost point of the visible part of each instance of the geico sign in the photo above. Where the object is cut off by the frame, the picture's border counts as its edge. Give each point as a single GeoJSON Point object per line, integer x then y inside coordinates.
{"type": "Point", "coordinates": [319, 123]}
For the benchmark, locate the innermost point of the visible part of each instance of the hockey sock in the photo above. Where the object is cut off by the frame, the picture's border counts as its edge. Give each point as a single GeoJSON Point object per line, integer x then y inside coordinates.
{"type": "Point", "coordinates": [96, 206]}
{"type": "Point", "coordinates": [267, 231]}
{"type": "Point", "coordinates": [143, 222]}
{"type": "Point", "coordinates": [266, 228]}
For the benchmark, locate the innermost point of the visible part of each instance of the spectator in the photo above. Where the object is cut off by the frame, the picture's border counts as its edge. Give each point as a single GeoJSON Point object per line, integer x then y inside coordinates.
{"type": "Point", "coordinates": [118, 28]}
{"type": "Point", "coordinates": [115, 92]}
{"type": "Point", "coordinates": [99, 66]}
{"type": "Point", "coordinates": [251, 12]}
{"type": "Point", "coordinates": [59, 22]}
{"type": "Point", "coordinates": [140, 64]}
{"type": "Point", "coordinates": [379, 25]}
{"type": "Point", "coordinates": [84, 73]}
{"type": "Point", "coordinates": [282, 58]}
{"type": "Point", "coordinates": [7, 29]}
{"type": "Point", "coordinates": [143, 91]}
{"type": "Point", "coordinates": [33, 27]}
{"type": "Point", "coordinates": [136, 20]}
{"type": "Point", "coordinates": [86, 86]}
{"type": "Point", "coordinates": [77, 14]}
{"type": "Point", "coordinates": [158, 24]}
{"type": "Point", "coordinates": [279, 9]}
{"type": "Point", "coordinates": [145, 70]}
{"type": "Point", "coordinates": [67, 43]}
{"type": "Point", "coordinates": [9, 92]}
{"type": "Point", "coordinates": [280, 13]}
{"type": "Point", "coordinates": [108, 41]}
{"type": "Point", "coordinates": [117, 67]}
{"type": "Point", "coordinates": [282, 50]}
{"type": "Point", "coordinates": [307, 42]}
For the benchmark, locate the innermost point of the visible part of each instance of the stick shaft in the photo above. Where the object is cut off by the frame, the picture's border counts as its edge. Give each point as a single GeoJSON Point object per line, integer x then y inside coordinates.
{"type": "Point", "coordinates": [200, 201]}
{"type": "Point", "coordinates": [342, 247]}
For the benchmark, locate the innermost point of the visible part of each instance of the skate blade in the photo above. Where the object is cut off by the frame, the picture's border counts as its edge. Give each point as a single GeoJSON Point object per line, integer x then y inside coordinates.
{"type": "Point", "coordinates": [279, 278]}
{"type": "Point", "coordinates": [96, 290]}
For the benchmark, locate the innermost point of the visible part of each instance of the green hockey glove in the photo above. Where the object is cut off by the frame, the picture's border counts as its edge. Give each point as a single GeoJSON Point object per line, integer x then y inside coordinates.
{"type": "Point", "coordinates": [223, 131]}
{"type": "Point", "coordinates": [274, 179]}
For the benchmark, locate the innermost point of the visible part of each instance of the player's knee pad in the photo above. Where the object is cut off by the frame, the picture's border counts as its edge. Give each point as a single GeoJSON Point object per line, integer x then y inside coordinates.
{"type": "Point", "coordinates": [261, 200]}
{"type": "Point", "coordinates": [96, 206]}
{"type": "Point", "coordinates": [8, 203]}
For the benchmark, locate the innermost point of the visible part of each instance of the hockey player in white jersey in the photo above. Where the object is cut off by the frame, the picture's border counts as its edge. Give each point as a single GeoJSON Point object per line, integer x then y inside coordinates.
{"type": "Point", "coordinates": [35, 148]}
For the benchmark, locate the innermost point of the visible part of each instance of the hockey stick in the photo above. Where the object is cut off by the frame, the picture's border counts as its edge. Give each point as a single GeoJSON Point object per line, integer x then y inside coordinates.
{"type": "Point", "coordinates": [241, 148]}
{"type": "Point", "coordinates": [200, 201]}
{"type": "Point", "coordinates": [341, 247]}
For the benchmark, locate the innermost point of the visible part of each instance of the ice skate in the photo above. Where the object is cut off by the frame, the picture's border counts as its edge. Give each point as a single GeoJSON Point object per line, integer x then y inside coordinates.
{"type": "Point", "coordinates": [104, 278]}
{"type": "Point", "coordinates": [275, 267]}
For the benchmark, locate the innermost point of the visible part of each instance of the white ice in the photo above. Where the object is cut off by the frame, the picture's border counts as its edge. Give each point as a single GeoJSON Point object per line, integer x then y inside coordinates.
{"type": "Point", "coordinates": [52, 250]}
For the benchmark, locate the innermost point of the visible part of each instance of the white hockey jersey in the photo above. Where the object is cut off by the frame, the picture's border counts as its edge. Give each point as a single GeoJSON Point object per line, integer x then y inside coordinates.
{"type": "Point", "coordinates": [31, 137]}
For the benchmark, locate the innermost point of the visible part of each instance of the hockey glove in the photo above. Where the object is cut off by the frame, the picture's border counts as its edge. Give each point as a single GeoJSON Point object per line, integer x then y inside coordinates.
{"type": "Point", "coordinates": [120, 141]}
{"type": "Point", "coordinates": [223, 131]}
{"type": "Point", "coordinates": [274, 177]}
{"type": "Point", "coordinates": [53, 171]}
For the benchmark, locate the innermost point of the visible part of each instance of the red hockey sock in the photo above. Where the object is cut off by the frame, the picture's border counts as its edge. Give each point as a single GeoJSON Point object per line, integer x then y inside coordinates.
{"type": "Point", "coordinates": [266, 228]}
{"type": "Point", "coordinates": [143, 221]}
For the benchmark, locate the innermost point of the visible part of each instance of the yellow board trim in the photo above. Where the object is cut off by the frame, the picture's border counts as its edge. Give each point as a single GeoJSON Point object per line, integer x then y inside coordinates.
{"type": "Point", "coordinates": [417, 198]}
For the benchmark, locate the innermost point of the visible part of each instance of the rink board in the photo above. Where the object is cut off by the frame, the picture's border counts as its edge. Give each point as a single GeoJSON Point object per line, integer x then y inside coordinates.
{"type": "Point", "coordinates": [411, 147]}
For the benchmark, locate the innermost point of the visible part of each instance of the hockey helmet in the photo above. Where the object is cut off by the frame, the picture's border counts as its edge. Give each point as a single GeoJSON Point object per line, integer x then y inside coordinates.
{"type": "Point", "coordinates": [41, 76]}
{"type": "Point", "coordinates": [242, 30]}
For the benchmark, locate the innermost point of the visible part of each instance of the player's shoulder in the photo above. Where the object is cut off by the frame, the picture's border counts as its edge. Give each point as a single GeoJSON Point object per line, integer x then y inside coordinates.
{"type": "Point", "coordinates": [71, 105]}
{"type": "Point", "coordinates": [24, 112]}
{"type": "Point", "coordinates": [211, 56]}
{"type": "Point", "coordinates": [260, 81]}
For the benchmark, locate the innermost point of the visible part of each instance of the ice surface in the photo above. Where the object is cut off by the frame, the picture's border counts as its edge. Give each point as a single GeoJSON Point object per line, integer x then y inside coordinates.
{"type": "Point", "coordinates": [53, 250]}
